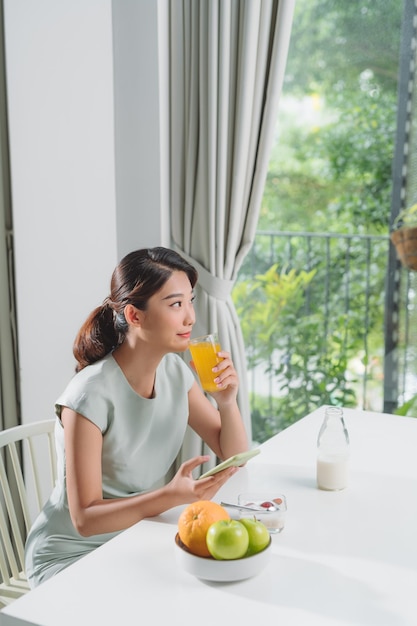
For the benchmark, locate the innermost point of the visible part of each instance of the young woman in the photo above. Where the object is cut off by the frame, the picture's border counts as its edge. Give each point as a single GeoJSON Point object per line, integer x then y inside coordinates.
{"type": "Point", "coordinates": [123, 416]}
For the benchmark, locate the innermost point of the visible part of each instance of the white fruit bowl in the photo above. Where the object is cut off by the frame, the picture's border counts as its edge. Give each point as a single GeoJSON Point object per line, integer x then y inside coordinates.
{"type": "Point", "coordinates": [211, 569]}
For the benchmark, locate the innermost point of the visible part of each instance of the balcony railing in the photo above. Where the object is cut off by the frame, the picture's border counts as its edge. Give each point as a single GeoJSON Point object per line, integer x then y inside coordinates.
{"type": "Point", "coordinates": [351, 283]}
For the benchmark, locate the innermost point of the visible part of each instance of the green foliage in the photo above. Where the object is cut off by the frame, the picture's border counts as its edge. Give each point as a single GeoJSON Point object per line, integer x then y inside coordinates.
{"type": "Point", "coordinates": [339, 40]}
{"type": "Point", "coordinates": [357, 153]}
{"type": "Point", "coordinates": [409, 408]}
{"type": "Point", "coordinates": [336, 176]}
{"type": "Point", "coordinates": [331, 166]}
{"type": "Point", "coordinates": [269, 416]}
{"type": "Point", "coordinates": [263, 302]}
{"type": "Point", "coordinates": [308, 362]}
{"type": "Point", "coordinates": [407, 218]}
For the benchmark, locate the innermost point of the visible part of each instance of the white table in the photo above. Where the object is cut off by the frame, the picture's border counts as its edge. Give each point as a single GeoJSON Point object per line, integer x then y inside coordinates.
{"type": "Point", "coordinates": [345, 558]}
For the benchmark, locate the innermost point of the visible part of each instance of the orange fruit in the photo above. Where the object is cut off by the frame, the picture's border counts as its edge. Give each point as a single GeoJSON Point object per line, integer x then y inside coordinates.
{"type": "Point", "coordinates": [194, 522]}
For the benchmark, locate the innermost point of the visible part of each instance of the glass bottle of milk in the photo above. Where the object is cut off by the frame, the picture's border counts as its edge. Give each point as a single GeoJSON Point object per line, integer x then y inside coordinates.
{"type": "Point", "coordinates": [332, 451]}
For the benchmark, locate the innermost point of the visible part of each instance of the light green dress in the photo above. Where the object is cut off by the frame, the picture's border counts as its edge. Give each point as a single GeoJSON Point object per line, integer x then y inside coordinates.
{"type": "Point", "coordinates": [141, 439]}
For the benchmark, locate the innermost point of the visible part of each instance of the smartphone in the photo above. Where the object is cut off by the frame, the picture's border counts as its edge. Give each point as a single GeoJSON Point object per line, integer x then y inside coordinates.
{"type": "Point", "coordinates": [237, 459]}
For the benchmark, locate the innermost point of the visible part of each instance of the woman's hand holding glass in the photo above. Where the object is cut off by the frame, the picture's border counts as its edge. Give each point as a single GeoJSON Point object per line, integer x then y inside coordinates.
{"type": "Point", "coordinates": [226, 379]}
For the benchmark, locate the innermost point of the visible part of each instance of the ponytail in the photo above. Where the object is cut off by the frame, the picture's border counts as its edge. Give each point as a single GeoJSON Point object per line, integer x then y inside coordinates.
{"type": "Point", "coordinates": [97, 337]}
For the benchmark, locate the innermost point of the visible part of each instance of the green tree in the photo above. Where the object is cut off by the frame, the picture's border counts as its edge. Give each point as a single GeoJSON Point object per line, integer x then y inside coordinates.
{"type": "Point", "coordinates": [333, 171]}
{"type": "Point", "coordinates": [334, 41]}
{"type": "Point", "coordinates": [308, 361]}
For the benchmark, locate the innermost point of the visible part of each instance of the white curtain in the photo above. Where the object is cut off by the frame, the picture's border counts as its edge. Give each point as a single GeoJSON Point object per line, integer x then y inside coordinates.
{"type": "Point", "coordinates": [227, 62]}
{"type": "Point", "coordinates": [9, 408]}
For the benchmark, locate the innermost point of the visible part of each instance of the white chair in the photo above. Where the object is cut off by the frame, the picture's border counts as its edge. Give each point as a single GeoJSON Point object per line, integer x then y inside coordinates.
{"type": "Point", "coordinates": [27, 458]}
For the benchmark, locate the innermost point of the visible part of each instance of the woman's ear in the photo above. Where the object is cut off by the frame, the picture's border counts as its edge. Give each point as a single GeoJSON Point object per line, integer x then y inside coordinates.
{"type": "Point", "coordinates": [133, 315]}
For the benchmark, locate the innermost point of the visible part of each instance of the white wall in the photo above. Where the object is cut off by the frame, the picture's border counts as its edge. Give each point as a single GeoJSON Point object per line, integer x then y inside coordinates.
{"type": "Point", "coordinates": [71, 226]}
{"type": "Point", "coordinates": [140, 40]}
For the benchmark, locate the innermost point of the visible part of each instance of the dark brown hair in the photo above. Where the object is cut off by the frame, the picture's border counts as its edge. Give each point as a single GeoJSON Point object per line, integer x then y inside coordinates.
{"type": "Point", "coordinates": [138, 276]}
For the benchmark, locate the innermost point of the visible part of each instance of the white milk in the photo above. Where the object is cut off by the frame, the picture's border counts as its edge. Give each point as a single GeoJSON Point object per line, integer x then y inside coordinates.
{"type": "Point", "coordinates": [332, 472]}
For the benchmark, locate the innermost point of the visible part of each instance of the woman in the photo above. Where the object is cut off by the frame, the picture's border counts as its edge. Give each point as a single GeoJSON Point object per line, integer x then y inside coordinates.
{"type": "Point", "coordinates": [123, 416]}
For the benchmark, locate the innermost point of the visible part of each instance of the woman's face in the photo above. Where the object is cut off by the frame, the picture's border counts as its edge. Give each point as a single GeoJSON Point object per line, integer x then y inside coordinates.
{"type": "Point", "coordinates": [169, 316]}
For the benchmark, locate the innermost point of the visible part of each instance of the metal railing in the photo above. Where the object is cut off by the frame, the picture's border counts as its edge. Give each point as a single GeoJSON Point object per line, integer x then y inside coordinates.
{"type": "Point", "coordinates": [350, 282]}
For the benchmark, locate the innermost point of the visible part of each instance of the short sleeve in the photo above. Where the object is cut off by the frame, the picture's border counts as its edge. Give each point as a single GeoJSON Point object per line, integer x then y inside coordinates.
{"type": "Point", "coordinates": [86, 394]}
{"type": "Point", "coordinates": [93, 407]}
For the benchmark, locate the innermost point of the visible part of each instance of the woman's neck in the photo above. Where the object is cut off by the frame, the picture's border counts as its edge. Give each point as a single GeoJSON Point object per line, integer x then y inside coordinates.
{"type": "Point", "coordinates": [138, 366]}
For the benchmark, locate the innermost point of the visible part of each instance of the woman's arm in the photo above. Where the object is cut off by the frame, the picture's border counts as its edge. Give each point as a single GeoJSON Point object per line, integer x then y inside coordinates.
{"type": "Point", "coordinates": [90, 513]}
{"type": "Point", "coordinates": [222, 428]}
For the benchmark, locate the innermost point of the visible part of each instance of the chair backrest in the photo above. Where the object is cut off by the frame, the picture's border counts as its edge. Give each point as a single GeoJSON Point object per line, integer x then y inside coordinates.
{"type": "Point", "coordinates": [27, 476]}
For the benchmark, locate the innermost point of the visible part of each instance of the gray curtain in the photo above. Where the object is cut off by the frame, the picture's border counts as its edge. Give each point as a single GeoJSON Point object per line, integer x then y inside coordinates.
{"type": "Point", "coordinates": [9, 407]}
{"type": "Point", "coordinates": [227, 62]}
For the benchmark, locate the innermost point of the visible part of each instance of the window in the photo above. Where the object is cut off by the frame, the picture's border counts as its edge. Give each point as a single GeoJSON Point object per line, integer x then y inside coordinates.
{"type": "Point", "coordinates": [312, 294]}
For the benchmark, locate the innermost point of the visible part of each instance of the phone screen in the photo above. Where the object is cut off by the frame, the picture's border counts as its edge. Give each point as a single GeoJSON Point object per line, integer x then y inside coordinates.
{"type": "Point", "coordinates": [235, 460]}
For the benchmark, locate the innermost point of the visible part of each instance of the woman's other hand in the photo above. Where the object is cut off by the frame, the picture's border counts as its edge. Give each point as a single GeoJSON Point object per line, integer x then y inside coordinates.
{"type": "Point", "coordinates": [187, 489]}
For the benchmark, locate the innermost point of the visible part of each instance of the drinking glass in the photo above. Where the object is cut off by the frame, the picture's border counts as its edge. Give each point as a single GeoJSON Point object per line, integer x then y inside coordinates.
{"type": "Point", "coordinates": [204, 354]}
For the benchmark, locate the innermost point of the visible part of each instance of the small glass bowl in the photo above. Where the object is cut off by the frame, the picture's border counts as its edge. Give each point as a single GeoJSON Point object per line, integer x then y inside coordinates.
{"type": "Point", "coordinates": [273, 520]}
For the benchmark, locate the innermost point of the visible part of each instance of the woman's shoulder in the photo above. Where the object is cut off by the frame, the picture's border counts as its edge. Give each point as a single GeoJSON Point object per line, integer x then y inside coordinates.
{"type": "Point", "coordinates": [94, 373]}
{"type": "Point", "coordinates": [89, 388]}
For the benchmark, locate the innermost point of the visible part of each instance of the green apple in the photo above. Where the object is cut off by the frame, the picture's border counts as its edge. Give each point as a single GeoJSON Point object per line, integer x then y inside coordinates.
{"type": "Point", "coordinates": [227, 539]}
{"type": "Point", "coordinates": [258, 535]}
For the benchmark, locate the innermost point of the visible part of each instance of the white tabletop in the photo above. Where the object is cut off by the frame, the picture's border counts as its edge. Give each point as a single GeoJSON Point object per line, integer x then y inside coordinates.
{"type": "Point", "coordinates": [344, 558]}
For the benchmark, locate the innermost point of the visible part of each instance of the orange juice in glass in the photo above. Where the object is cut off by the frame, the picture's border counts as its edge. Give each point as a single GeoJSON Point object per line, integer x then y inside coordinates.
{"type": "Point", "coordinates": [204, 354]}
